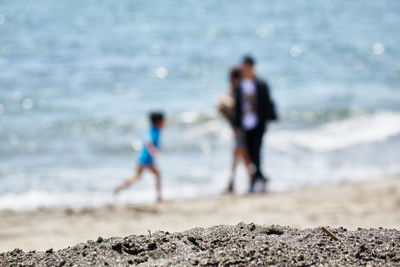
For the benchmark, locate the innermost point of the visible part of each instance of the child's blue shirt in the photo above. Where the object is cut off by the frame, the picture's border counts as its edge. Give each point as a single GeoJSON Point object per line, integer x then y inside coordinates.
{"type": "Point", "coordinates": [153, 136]}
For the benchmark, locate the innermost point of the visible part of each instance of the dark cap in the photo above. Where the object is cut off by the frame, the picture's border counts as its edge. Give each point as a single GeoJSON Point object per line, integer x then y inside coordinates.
{"type": "Point", "coordinates": [249, 60]}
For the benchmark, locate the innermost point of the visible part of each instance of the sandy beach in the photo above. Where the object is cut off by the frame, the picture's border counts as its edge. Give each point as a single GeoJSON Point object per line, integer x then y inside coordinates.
{"type": "Point", "coordinates": [370, 204]}
{"type": "Point", "coordinates": [227, 245]}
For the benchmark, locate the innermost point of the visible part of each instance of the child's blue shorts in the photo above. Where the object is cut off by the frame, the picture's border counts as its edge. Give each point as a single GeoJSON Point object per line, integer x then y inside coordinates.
{"type": "Point", "coordinates": [145, 159]}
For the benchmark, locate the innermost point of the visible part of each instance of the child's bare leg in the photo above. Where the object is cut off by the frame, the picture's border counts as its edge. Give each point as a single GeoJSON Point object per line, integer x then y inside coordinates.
{"type": "Point", "coordinates": [157, 176]}
{"type": "Point", "coordinates": [129, 181]}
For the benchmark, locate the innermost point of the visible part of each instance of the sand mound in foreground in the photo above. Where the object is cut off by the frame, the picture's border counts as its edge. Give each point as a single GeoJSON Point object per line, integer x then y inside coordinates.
{"type": "Point", "coordinates": [242, 244]}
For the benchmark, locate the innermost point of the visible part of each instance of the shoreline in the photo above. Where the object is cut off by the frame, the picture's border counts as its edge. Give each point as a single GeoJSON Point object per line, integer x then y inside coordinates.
{"type": "Point", "coordinates": [368, 204]}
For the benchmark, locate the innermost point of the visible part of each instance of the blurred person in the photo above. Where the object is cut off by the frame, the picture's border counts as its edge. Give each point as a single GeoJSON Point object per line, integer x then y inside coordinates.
{"type": "Point", "coordinates": [147, 154]}
{"type": "Point", "coordinates": [226, 107]}
{"type": "Point", "coordinates": [253, 109]}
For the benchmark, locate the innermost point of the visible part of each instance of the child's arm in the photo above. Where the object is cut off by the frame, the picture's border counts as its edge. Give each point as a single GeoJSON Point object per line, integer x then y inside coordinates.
{"type": "Point", "coordinates": [152, 149]}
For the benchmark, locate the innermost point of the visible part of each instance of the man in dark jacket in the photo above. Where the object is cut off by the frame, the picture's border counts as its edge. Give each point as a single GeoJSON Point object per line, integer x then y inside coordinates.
{"type": "Point", "coordinates": [254, 108]}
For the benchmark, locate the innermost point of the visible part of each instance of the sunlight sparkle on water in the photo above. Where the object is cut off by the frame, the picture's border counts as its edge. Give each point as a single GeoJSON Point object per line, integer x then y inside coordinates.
{"type": "Point", "coordinates": [265, 31]}
{"type": "Point", "coordinates": [296, 51]}
{"type": "Point", "coordinates": [27, 104]}
{"type": "Point", "coordinates": [378, 49]}
{"type": "Point", "coordinates": [161, 72]}
{"type": "Point", "coordinates": [358, 65]}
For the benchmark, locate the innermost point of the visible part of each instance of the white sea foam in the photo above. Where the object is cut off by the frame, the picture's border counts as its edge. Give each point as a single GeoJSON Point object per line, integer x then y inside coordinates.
{"type": "Point", "coordinates": [138, 194]}
{"type": "Point", "coordinates": [42, 199]}
{"type": "Point", "coordinates": [341, 134]}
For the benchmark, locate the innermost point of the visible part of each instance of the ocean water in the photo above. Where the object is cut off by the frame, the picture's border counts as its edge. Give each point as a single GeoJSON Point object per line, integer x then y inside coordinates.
{"type": "Point", "coordinates": [77, 79]}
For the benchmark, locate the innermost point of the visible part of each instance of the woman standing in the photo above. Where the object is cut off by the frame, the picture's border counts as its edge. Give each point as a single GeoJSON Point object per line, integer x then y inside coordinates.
{"type": "Point", "coordinates": [226, 108]}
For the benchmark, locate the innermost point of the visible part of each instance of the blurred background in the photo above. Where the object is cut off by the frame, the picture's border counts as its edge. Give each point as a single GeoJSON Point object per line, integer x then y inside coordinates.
{"type": "Point", "coordinates": [77, 79]}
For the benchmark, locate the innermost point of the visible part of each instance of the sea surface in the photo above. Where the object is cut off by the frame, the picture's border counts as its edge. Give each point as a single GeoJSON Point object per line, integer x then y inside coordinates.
{"type": "Point", "coordinates": [78, 78]}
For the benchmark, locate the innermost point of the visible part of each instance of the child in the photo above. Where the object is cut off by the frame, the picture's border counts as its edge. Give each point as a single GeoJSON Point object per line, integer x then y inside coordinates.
{"type": "Point", "coordinates": [147, 154]}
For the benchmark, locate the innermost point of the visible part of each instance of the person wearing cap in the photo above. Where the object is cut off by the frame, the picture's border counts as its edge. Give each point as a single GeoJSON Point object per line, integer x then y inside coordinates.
{"type": "Point", "coordinates": [253, 109]}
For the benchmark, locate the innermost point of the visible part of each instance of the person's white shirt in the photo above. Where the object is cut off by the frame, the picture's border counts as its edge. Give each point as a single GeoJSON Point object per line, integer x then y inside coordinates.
{"type": "Point", "coordinates": [249, 95]}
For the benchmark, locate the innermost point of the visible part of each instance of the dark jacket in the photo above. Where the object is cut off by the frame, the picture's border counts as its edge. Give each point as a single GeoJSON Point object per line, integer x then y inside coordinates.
{"type": "Point", "coordinates": [264, 105]}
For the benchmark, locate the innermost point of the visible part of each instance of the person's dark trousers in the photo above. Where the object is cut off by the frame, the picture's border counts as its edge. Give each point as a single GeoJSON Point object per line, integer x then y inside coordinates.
{"type": "Point", "coordinates": [254, 139]}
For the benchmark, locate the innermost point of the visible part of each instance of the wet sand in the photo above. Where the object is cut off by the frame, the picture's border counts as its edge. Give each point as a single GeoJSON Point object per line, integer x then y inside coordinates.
{"type": "Point", "coordinates": [374, 203]}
